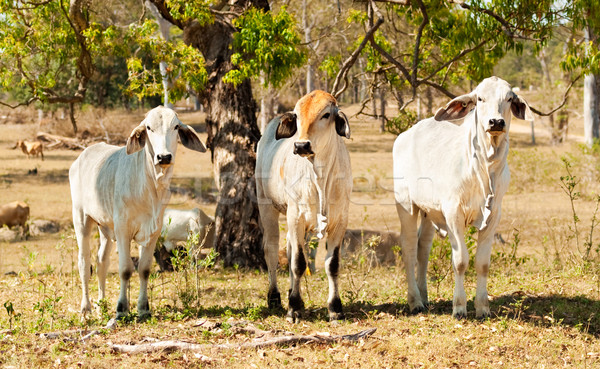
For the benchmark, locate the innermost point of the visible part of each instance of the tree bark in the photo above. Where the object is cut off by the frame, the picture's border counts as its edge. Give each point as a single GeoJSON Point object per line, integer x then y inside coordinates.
{"type": "Point", "coordinates": [232, 137]}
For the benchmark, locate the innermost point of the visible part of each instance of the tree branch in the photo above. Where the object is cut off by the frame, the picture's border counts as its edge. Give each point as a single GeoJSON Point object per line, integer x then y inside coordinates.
{"type": "Point", "coordinates": [564, 101]}
{"type": "Point", "coordinates": [343, 73]}
{"type": "Point", "coordinates": [276, 341]}
{"type": "Point", "coordinates": [418, 45]}
{"type": "Point", "coordinates": [458, 56]}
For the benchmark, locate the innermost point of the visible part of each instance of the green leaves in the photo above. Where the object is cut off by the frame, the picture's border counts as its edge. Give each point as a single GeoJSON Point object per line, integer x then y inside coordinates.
{"type": "Point", "coordinates": [265, 43]}
{"type": "Point", "coordinates": [184, 64]}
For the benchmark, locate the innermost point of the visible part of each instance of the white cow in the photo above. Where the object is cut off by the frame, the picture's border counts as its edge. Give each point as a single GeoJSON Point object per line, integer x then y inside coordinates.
{"type": "Point", "coordinates": [455, 176]}
{"type": "Point", "coordinates": [178, 224]}
{"type": "Point", "coordinates": [124, 191]}
{"type": "Point", "coordinates": [303, 171]}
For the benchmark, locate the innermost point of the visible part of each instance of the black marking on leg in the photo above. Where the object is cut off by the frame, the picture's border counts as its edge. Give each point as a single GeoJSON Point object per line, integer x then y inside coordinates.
{"type": "Point", "coordinates": [334, 263]}
{"type": "Point", "coordinates": [145, 274]}
{"type": "Point", "coordinates": [336, 311]}
{"type": "Point", "coordinates": [121, 308]}
{"type": "Point", "coordinates": [295, 302]}
{"type": "Point", "coordinates": [300, 264]}
{"type": "Point", "coordinates": [126, 274]}
{"type": "Point", "coordinates": [143, 307]}
{"type": "Point", "coordinates": [335, 306]}
{"type": "Point", "coordinates": [274, 300]}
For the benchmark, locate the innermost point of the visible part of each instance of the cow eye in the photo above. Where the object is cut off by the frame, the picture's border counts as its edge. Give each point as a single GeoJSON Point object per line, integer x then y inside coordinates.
{"type": "Point", "coordinates": [479, 99]}
{"type": "Point", "coordinates": [148, 128]}
{"type": "Point", "coordinates": [176, 127]}
{"type": "Point", "coordinates": [510, 99]}
{"type": "Point", "coordinates": [325, 116]}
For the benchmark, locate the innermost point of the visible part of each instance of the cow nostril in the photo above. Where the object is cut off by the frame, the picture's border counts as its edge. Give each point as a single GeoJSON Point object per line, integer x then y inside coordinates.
{"type": "Point", "coordinates": [302, 148]}
{"type": "Point", "coordinates": [164, 158]}
{"type": "Point", "coordinates": [497, 123]}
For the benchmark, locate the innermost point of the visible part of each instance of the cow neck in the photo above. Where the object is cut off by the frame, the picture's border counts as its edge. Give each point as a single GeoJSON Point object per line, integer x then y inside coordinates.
{"type": "Point", "coordinates": [321, 165]}
{"type": "Point", "coordinates": [484, 157]}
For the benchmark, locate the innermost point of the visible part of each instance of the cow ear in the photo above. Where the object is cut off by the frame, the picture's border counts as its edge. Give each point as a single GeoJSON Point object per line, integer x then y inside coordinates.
{"type": "Point", "coordinates": [341, 125]}
{"type": "Point", "coordinates": [189, 138]}
{"type": "Point", "coordinates": [520, 108]}
{"type": "Point", "coordinates": [137, 139]}
{"type": "Point", "coordinates": [458, 108]}
{"type": "Point", "coordinates": [287, 126]}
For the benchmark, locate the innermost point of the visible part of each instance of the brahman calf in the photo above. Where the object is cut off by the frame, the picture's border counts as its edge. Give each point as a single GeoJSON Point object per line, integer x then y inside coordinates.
{"type": "Point", "coordinates": [179, 225]}
{"type": "Point", "coordinates": [13, 214]}
{"type": "Point", "coordinates": [455, 176]}
{"type": "Point", "coordinates": [124, 190]}
{"type": "Point", "coordinates": [31, 148]}
{"type": "Point", "coordinates": [303, 171]}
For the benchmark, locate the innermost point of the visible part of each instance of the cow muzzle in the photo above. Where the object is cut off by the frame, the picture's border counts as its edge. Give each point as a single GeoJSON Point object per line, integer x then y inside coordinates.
{"type": "Point", "coordinates": [497, 126]}
{"type": "Point", "coordinates": [164, 159]}
{"type": "Point", "coordinates": [303, 148]}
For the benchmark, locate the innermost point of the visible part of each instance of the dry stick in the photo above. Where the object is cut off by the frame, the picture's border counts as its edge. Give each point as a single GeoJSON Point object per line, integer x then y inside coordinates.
{"type": "Point", "coordinates": [194, 347]}
{"type": "Point", "coordinates": [54, 335]}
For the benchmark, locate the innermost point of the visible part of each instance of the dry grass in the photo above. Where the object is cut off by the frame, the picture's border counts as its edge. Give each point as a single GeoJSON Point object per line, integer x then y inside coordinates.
{"type": "Point", "coordinates": [544, 297]}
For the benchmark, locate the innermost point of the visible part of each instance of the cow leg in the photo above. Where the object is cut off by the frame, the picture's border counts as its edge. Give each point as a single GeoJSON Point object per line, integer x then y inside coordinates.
{"type": "Point", "coordinates": [297, 267]}
{"type": "Point", "coordinates": [106, 245]}
{"type": "Point", "coordinates": [426, 233]}
{"type": "Point", "coordinates": [409, 240]}
{"type": "Point", "coordinates": [269, 217]}
{"type": "Point", "coordinates": [125, 271]}
{"type": "Point", "coordinates": [460, 261]}
{"type": "Point", "coordinates": [83, 229]}
{"type": "Point", "coordinates": [144, 266]}
{"type": "Point", "coordinates": [482, 266]}
{"type": "Point", "coordinates": [332, 267]}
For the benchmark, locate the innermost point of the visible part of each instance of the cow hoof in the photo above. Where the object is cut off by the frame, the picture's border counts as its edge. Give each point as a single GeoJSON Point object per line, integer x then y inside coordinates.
{"type": "Point", "coordinates": [459, 316]}
{"type": "Point", "coordinates": [335, 317]}
{"type": "Point", "coordinates": [294, 316]}
{"type": "Point", "coordinates": [418, 310]}
{"type": "Point", "coordinates": [122, 315]}
{"type": "Point", "coordinates": [143, 316]}
{"type": "Point", "coordinates": [274, 300]}
{"type": "Point", "coordinates": [483, 315]}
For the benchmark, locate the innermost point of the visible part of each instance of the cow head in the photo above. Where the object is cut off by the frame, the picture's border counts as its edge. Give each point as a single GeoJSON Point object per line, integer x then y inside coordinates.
{"type": "Point", "coordinates": [494, 100]}
{"type": "Point", "coordinates": [158, 132]}
{"type": "Point", "coordinates": [315, 119]}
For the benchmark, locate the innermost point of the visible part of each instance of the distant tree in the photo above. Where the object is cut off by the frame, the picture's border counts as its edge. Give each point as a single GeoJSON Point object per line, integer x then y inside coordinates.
{"type": "Point", "coordinates": [418, 44]}
{"type": "Point", "coordinates": [583, 54]}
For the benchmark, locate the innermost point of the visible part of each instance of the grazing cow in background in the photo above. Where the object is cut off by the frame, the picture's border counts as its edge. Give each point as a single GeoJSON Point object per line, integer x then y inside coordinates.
{"type": "Point", "coordinates": [13, 214]}
{"type": "Point", "coordinates": [455, 176]}
{"type": "Point", "coordinates": [177, 226]}
{"type": "Point", "coordinates": [303, 171]}
{"type": "Point", "coordinates": [124, 191]}
{"type": "Point", "coordinates": [30, 148]}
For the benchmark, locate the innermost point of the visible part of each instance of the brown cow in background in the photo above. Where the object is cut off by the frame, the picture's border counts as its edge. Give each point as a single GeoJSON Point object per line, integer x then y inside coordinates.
{"type": "Point", "coordinates": [13, 214]}
{"type": "Point", "coordinates": [31, 148]}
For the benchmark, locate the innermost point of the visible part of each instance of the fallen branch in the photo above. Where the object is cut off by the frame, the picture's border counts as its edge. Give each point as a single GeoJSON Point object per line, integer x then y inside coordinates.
{"type": "Point", "coordinates": [56, 141]}
{"type": "Point", "coordinates": [277, 341]}
{"type": "Point", "coordinates": [54, 335]}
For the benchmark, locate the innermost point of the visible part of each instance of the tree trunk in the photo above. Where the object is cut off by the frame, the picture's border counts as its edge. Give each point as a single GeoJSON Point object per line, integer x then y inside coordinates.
{"type": "Point", "coordinates": [232, 138]}
{"type": "Point", "coordinates": [555, 133]}
{"type": "Point", "coordinates": [382, 103]}
{"type": "Point", "coordinates": [591, 121]}
{"type": "Point", "coordinates": [310, 73]}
